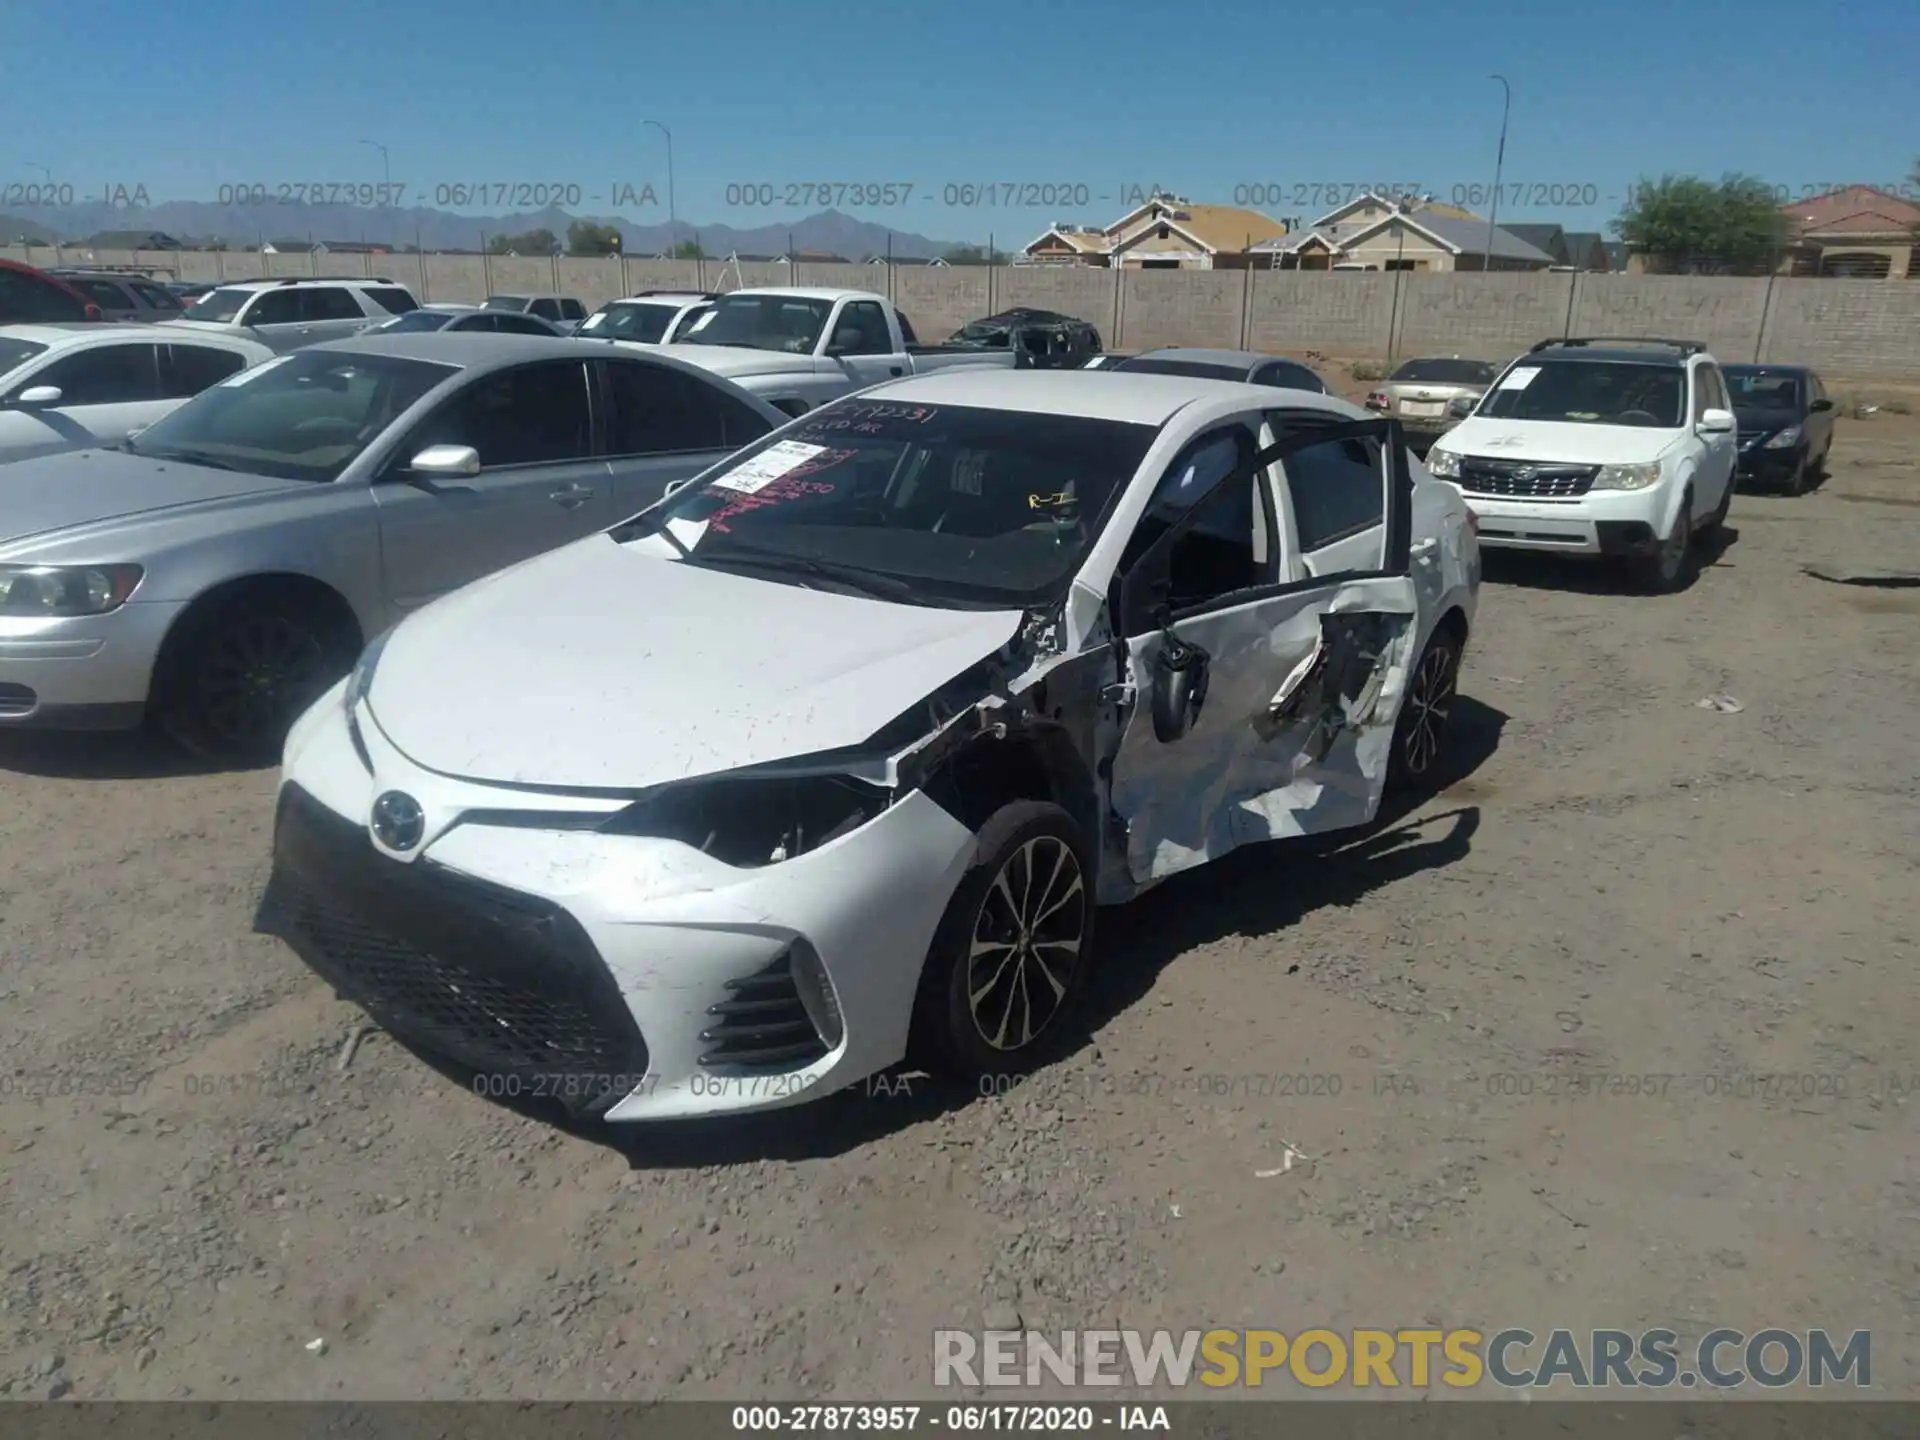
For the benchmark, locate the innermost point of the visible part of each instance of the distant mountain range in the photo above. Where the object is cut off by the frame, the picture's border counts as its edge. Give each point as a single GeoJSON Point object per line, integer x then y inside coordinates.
{"type": "Point", "coordinates": [244, 226]}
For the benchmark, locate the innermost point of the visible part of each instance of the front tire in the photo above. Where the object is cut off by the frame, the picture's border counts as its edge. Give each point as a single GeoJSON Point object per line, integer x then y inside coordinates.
{"type": "Point", "coordinates": [1011, 953]}
{"type": "Point", "coordinates": [1420, 734]}
{"type": "Point", "coordinates": [236, 677]}
{"type": "Point", "coordinates": [1668, 567]}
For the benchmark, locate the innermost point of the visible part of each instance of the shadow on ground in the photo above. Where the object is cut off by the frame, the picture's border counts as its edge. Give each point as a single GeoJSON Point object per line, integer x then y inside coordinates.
{"type": "Point", "coordinates": [105, 755]}
{"type": "Point", "coordinates": [1581, 575]}
{"type": "Point", "coordinates": [1254, 891]}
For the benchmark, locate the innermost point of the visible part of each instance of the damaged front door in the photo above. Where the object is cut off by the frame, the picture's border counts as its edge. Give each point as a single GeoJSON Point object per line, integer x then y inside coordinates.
{"type": "Point", "coordinates": [1262, 708]}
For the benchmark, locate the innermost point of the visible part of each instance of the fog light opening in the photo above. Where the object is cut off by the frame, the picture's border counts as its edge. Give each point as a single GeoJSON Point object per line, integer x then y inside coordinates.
{"type": "Point", "coordinates": [816, 993]}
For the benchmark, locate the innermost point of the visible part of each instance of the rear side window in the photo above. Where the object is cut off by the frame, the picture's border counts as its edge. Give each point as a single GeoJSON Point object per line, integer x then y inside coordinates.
{"type": "Point", "coordinates": [546, 309]}
{"type": "Point", "coordinates": [906, 328]}
{"type": "Point", "coordinates": [25, 297]}
{"type": "Point", "coordinates": [1336, 491]}
{"type": "Point", "coordinates": [329, 303]}
{"type": "Point", "coordinates": [392, 299]}
{"type": "Point", "coordinates": [572, 310]}
{"type": "Point", "coordinates": [192, 368]}
{"type": "Point", "coordinates": [105, 375]}
{"type": "Point", "coordinates": [509, 324]}
{"type": "Point", "coordinates": [1291, 377]}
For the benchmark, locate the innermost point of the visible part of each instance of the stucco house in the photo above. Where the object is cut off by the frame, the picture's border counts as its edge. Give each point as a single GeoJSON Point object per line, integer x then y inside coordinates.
{"type": "Point", "coordinates": [1859, 231]}
{"type": "Point", "coordinates": [1381, 233]}
{"type": "Point", "coordinates": [1166, 233]}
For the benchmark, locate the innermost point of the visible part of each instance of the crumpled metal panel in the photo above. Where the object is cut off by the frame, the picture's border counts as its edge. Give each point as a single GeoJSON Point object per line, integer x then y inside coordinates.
{"type": "Point", "coordinates": [1293, 736]}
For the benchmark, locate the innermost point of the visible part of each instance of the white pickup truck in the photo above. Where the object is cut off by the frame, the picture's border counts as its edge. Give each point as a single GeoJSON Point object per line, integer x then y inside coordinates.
{"type": "Point", "coordinates": [797, 348]}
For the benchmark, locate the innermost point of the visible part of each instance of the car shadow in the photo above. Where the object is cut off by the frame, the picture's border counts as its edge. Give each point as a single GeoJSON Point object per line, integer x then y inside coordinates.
{"type": "Point", "coordinates": [1583, 575]}
{"type": "Point", "coordinates": [105, 755]}
{"type": "Point", "coordinates": [1255, 891]}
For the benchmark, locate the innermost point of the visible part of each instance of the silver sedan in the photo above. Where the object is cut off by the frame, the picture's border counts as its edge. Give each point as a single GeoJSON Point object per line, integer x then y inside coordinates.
{"type": "Point", "coordinates": [224, 567]}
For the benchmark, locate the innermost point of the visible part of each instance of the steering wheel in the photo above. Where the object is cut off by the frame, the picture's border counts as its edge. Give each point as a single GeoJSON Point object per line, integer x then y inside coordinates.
{"type": "Point", "coordinates": [1637, 417]}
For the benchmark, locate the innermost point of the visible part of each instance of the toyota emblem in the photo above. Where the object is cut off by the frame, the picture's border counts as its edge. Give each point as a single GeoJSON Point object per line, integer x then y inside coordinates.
{"type": "Point", "coordinates": [398, 820]}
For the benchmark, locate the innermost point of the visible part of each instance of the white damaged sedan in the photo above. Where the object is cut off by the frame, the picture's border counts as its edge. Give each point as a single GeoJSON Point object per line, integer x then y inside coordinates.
{"type": "Point", "coordinates": [835, 751]}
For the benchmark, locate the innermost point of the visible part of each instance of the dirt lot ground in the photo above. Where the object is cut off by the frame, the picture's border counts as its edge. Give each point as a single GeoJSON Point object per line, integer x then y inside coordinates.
{"type": "Point", "coordinates": [1620, 883]}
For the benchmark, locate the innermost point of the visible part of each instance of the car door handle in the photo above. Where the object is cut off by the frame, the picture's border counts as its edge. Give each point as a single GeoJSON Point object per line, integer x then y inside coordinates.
{"type": "Point", "coordinates": [572, 496]}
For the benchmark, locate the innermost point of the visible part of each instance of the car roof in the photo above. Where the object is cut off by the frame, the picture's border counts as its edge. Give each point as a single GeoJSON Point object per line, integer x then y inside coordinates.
{"type": "Point", "coordinates": [285, 281]}
{"type": "Point", "coordinates": [1099, 395]}
{"type": "Point", "coordinates": [661, 297]}
{"type": "Point", "coordinates": [1199, 355]}
{"type": "Point", "coordinates": [450, 307]}
{"type": "Point", "coordinates": [1745, 369]}
{"type": "Point", "coordinates": [1621, 355]}
{"type": "Point", "coordinates": [802, 292]}
{"type": "Point", "coordinates": [493, 350]}
{"type": "Point", "coordinates": [58, 332]}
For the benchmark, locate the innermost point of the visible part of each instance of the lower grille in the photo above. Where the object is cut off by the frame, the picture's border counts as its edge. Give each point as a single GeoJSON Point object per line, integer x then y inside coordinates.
{"type": "Point", "coordinates": [503, 984]}
{"type": "Point", "coordinates": [1521, 479]}
{"type": "Point", "coordinates": [16, 699]}
{"type": "Point", "coordinates": [763, 1024]}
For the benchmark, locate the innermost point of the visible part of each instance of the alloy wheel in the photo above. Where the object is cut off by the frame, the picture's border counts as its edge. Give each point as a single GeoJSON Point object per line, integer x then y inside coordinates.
{"type": "Point", "coordinates": [1429, 704]}
{"type": "Point", "coordinates": [1026, 943]}
{"type": "Point", "coordinates": [257, 675]}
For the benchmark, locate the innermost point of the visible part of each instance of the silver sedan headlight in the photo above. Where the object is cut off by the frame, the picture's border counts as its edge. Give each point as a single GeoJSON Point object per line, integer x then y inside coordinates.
{"type": "Point", "coordinates": [65, 590]}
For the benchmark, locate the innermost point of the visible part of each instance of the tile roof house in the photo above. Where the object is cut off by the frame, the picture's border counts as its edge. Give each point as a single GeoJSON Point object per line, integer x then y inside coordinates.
{"type": "Point", "coordinates": [1377, 233]}
{"type": "Point", "coordinates": [1165, 233]}
{"type": "Point", "coordinates": [1858, 230]}
{"type": "Point", "coordinates": [1548, 238]}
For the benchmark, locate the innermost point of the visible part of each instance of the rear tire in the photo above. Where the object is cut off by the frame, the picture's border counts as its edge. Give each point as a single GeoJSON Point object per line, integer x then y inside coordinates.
{"type": "Point", "coordinates": [1011, 954]}
{"type": "Point", "coordinates": [236, 676]}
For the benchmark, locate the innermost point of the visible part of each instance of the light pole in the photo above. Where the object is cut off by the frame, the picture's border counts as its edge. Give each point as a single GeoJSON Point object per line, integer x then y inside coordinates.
{"type": "Point", "coordinates": [673, 218]}
{"type": "Point", "coordinates": [386, 186]}
{"type": "Point", "coordinates": [1500, 159]}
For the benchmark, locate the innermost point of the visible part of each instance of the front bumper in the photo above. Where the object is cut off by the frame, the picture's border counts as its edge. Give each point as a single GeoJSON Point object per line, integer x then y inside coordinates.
{"type": "Point", "coordinates": [623, 977]}
{"type": "Point", "coordinates": [88, 672]}
{"type": "Point", "coordinates": [1603, 522]}
{"type": "Point", "coordinates": [1771, 466]}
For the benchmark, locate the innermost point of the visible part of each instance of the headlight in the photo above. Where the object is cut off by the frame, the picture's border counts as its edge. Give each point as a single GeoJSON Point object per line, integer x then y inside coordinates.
{"type": "Point", "coordinates": [1627, 477]}
{"type": "Point", "coordinates": [1443, 463]}
{"type": "Point", "coordinates": [753, 821]}
{"type": "Point", "coordinates": [361, 680]}
{"type": "Point", "coordinates": [1785, 440]}
{"type": "Point", "coordinates": [54, 590]}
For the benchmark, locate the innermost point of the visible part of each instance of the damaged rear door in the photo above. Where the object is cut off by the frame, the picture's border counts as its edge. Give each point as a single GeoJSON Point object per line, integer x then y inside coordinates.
{"type": "Point", "coordinates": [1256, 705]}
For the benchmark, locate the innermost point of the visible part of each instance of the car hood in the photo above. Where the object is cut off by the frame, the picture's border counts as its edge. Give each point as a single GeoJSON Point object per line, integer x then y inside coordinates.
{"type": "Point", "coordinates": [1560, 442]}
{"type": "Point", "coordinates": [601, 666]}
{"type": "Point", "coordinates": [733, 363]}
{"type": "Point", "coordinates": [1755, 419]}
{"type": "Point", "coordinates": [53, 492]}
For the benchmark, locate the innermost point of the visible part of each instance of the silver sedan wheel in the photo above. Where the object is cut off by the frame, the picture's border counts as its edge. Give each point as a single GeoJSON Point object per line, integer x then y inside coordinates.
{"type": "Point", "coordinates": [1026, 943]}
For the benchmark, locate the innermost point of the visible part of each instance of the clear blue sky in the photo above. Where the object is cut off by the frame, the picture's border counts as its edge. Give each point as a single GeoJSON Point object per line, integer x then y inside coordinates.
{"type": "Point", "coordinates": [1204, 97]}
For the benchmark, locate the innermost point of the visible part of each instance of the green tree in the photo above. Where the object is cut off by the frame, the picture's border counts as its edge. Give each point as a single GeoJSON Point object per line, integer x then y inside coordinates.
{"type": "Point", "coordinates": [527, 242]}
{"type": "Point", "coordinates": [687, 250]}
{"type": "Point", "coordinates": [586, 238]}
{"type": "Point", "coordinates": [1687, 225]}
{"type": "Point", "coordinates": [972, 255]}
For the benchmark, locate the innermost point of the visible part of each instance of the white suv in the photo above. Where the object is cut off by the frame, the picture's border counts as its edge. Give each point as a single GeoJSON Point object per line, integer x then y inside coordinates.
{"type": "Point", "coordinates": [287, 314]}
{"type": "Point", "coordinates": [1604, 446]}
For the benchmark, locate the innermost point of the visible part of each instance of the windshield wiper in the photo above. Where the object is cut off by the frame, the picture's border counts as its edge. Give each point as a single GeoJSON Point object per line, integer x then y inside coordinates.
{"type": "Point", "coordinates": [868, 582]}
{"type": "Point", "coordinates": [646, 524]}
{"type": "Point", "coordinates": [190, 457]}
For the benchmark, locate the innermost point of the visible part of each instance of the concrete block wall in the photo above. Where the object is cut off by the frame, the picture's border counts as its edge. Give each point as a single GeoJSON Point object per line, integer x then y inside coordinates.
{"type": "Point", "coordinates": [1856, 329]}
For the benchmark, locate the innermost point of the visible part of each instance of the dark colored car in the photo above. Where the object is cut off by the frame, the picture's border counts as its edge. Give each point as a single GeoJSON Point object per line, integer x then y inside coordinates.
{"type": "Point", "coordinates": [1785, 424]}
{"type": "Point", "coordinates": [33, 297]}
{"type": "Point", "coordinates": [1245, 366]}
{"type": "Point", "coordinates": [1045, 339]}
